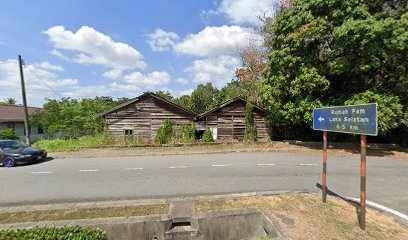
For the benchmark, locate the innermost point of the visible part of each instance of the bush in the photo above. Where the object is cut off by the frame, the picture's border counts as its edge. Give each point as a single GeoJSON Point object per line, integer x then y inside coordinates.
{"type": "Point", "coordinates": [186, 134]}
{"type": "Point", "coordinates": [8, 133]}
{"type": "Point", "coordinates": [165, 132]}
{"type": "Point", "coordinates": [64, 233]}
{"type": "Point", "coordinates": [207, 136]}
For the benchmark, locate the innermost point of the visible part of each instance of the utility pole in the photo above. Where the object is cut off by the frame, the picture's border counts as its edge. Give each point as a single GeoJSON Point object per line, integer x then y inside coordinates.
{"type": "Point", "coordinates": [23, 91]}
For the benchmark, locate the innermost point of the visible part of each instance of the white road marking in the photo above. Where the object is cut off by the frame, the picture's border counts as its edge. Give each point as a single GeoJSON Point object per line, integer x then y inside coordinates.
{"type": "Point", "coordinates": [88, 170]}
{"type": "Point", "coordinates": [221, 165]}
{"type": "Point", "coordinates": [41, 172]}
{"type": "Point", "coordinates": [178, 167]}
{"type": "Point", "coordinates": [136, 168]}
{"type": "Point", "coordinates": [381, 207]}
{"type": "Point", "coordinates": [266, 164]}
{"type": "Point", "coordinates": [308, 164]}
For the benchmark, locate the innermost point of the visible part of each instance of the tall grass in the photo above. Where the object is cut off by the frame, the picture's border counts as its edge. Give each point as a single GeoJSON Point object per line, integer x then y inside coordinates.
{"type": "Point", "coordinates": [74, 144]}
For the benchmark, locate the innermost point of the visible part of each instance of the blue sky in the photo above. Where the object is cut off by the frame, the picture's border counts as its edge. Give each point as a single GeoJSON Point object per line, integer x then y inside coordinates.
{"type": "Point", "coordinates": [122, 48]}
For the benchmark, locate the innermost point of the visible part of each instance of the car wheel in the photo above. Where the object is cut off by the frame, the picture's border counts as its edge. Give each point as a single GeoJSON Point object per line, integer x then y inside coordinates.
{"type": "Point", "coordinates": [9, 162]}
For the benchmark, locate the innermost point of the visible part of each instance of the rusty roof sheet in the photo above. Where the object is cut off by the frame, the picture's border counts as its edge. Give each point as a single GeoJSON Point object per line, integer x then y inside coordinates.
{"type": "Point", "coordinates": [15, 113]}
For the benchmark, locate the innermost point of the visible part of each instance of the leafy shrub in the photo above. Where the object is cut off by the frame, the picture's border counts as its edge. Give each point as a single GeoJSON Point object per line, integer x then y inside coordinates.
{"type": "Point", "coordinates": [186, 134]}
{"type": "Point", "coordinates": [8, 133]}
{"type": "Point", "coordinates": [165, 132]}
{"type": "Point", "coordinates": [64, 233]}
{"type": "Point", "coordinates": [250, 128]}
{"type": "Point", "coordinates": [207, 136]}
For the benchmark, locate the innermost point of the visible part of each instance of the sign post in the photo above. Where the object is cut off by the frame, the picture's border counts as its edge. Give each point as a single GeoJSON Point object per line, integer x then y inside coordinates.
{"type": "Point", "coordinates": [363, 143]}
{"type": "Point", "coordinates": [354, 119]}
{"type": "Point", "coordinates": [324, 183]}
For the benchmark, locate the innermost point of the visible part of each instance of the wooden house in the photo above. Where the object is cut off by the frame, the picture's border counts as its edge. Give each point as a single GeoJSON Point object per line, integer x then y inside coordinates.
{"type": "Point", "coordinates": [143, 116]}
{"type": "Point", "coordinates": [227, 121]}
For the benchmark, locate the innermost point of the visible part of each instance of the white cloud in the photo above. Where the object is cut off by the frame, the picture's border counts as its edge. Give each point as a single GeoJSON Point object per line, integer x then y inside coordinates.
{"type": "Point", "coordinates": [59, 54]}
{"type": "Point", "coordinates": [113, 74]}
{"type": "Point", "coordinates": [217, 41]}
{"type": "Point", "coordinates": [93, 47]}
{"type": "Point", "coordinates": [244, 11]}
{"type": "Point", "coordinates": [181, 81]}
{"type": "Point", "coordinates": [35, 75]}
{"type": "Point", "coordinates": [161, 41]}
{"type": "Point", "coordinates": [219, 70]}
{"type": "Point", "coordinates": [147, 80]}
{"type": "Point", "coordinates": [49, 66]}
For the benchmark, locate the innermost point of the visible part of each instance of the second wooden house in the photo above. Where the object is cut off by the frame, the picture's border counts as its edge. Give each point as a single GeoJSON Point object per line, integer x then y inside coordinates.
{"type": "Point", "coordinates": [227, 121]}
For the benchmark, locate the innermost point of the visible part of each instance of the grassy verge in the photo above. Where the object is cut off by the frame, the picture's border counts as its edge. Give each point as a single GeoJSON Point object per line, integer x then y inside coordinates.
{"type": "Point", "coordinates": [74, 144]}
{"type": "Point", "coordinates": [70, 145]}
{"type": "Point", "coordinates": [309, 218]}
{"type": "Point", "coordinates": [82, 213]}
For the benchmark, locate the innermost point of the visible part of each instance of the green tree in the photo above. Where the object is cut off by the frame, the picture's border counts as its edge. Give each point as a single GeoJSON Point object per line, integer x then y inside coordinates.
{"type": "Point", "coordinates": [73, 117]}
{"type": "Point", "coordinates": [336, 52]}
{"type": "Point", "coordinates": [165, 94]}
{"type": "Point", "coordinates": [184, 101]}
{"type": "Point", "coordinates": [10, 101]}
{"type": "Point", "coordinates": [203, 98]}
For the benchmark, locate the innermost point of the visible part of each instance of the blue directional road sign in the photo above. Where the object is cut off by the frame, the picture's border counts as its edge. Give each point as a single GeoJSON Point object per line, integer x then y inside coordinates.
{"type": "Point", "coordinates": [355, 119]}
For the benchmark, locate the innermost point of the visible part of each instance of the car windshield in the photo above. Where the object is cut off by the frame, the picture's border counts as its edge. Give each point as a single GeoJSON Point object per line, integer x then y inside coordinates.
{"type": "Point", "coordinates": [11, 145]}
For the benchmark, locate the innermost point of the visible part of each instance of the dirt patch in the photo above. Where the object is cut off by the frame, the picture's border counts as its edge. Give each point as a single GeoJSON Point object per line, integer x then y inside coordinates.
{"type": "Point", "coordinates": [82, 213]}
{"type": "Point", "coordinates": [304, 216]}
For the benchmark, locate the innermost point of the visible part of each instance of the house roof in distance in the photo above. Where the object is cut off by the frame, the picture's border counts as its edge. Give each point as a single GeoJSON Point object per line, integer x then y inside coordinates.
{"type": "Point", "coordinates": [143, 96]}
{"type": "Point", "coordinates": [15, 113]}
{"type": "Point", "coordinates": [226, 103]}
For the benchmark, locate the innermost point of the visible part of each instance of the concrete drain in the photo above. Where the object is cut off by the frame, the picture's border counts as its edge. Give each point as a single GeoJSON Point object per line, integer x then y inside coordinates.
{"type": "Point", "coordinates": [183, 223]}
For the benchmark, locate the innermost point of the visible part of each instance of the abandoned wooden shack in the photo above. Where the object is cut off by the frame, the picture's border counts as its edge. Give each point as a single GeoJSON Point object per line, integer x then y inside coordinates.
{"type": "Point", "coordinates": [143, 116]}
{"type": "Point", "coordinates": [227, 121]}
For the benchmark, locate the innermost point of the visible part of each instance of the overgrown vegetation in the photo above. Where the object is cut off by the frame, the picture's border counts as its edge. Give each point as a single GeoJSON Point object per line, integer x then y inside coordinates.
{"type": "Point", "coordinates": [207, 136]}
{"type": "Point", "coordinates": [165, 132]}
{"type": "Point", "coordinates": [72, 117]}
{"type": "Point", "coordinates": [171, 133]}
{"type": "Point", "coordinates": [64, 233]}
{"type": "Point", "coordinates": [74, 144]}
{"type": "Point", "coordinates": [330, 53]}
{"type": "Point", "coordinates": [186, 134]}
{"type": "Point", "coordinates": [8, 133]}
{"type": "Point", "coordinates": [250, 130]}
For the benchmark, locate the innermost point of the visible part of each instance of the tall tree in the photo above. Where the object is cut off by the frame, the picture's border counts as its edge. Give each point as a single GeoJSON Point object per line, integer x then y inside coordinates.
{"type": "Point", "coordinates": [335, 52]}
{"type": "Point", "coordinates": [73, 117]}
{"type": "Point", "coordinates": [203, 97]}
{"type": "Point", "coordinates": [254, 60]}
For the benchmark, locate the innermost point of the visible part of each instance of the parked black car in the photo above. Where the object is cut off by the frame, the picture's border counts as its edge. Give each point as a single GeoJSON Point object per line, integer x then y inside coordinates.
{"type": "Point", "coordinates": [13, 152]}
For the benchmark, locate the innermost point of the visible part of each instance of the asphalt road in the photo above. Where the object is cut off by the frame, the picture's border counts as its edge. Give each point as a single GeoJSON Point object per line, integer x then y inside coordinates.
{"type": "Point", "coordinates": [103, 178]}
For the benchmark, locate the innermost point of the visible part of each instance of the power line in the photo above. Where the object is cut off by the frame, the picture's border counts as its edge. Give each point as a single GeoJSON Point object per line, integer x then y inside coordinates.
{"type": "Point", "coordinates": [52, 89]}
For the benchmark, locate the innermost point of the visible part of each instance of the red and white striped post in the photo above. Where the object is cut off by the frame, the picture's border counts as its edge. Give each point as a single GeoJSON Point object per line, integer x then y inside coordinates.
{"type": "Point", "coordinates": [324, 183]}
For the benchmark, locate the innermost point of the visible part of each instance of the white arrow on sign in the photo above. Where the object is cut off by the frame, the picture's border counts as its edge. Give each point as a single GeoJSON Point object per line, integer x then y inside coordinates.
{"type": "Point", "coordinates": [321, 119]}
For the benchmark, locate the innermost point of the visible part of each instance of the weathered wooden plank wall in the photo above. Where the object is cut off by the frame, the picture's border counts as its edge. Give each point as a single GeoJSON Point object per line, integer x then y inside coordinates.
{"type": "Point", "coordinates": [230, 122]}
{"type": "Point", "coordinates": [144, 117]}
